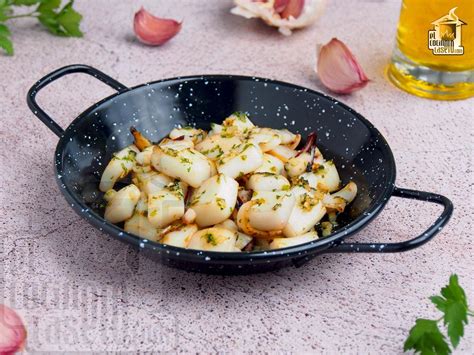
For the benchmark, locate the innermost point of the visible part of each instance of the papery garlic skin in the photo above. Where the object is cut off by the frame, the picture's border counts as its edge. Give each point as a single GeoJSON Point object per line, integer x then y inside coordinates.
{"type": "Point", "coordinates": [152, 30]}
{"type": "Point", "coordinates": [338, 69]}
{"type": "Point", "coordinates": [311, 11]}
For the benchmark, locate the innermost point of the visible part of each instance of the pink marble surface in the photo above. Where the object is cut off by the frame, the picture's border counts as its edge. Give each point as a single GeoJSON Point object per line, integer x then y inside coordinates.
{"type": "Point", "coordinates": [77, 289]}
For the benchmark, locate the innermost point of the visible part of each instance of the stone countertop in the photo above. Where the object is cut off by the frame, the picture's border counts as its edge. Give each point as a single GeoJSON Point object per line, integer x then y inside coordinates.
{"type": "Point", "coordinates": [78, 289]}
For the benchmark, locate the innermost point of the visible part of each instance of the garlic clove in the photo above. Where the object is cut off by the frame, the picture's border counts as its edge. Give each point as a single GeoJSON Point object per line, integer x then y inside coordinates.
{"type": "Point", "coordinates": [293, 8]}
{"type": "Point", "coordinates": [152, 30]}
{"type": "Point", "coordinates": [12, 331]}
{"type": "Point", "coordinates": [280, 5]}
{"type": "Point", "coordinates": [338, 69]}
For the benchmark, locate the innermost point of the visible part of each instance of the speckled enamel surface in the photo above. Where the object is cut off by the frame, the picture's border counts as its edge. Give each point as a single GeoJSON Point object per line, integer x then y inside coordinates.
{"type": "Point", "coordinates": [78, 289]}
{"type": "Point", "coordinates": [358, 150]}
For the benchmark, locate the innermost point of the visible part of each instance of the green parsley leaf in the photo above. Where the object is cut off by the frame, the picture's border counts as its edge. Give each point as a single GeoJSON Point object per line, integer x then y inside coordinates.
{"type": "Point", "coordinates": [64, 22]}
{"type": "Point", "coordinates": [5, 41]}
{"type": "Point", "coordinates": [48, 6]}
{"type": "Point", "coordinates": [426, 339]}
{"type": "Point", "coordinates": [5, 10]}
{"type": "Point", "coordinates": [25, 2]}
{"type": "Point", "coordinates": [454, 306]}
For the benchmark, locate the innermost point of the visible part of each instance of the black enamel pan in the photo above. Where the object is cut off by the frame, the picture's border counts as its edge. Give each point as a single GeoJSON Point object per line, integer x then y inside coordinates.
{"type": "Point", "coordinates": [356, 146]}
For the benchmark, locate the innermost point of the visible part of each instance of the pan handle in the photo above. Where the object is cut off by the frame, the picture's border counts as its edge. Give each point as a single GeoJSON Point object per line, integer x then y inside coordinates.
{"type": "Point", "coordinates": [48, 79]}
{"type": "Point", "coordinates": [409, 244]}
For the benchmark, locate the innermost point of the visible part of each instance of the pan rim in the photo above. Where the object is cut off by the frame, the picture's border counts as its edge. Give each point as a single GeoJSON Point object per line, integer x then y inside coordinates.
{"type": "Point", "coordinates": [302, 250]}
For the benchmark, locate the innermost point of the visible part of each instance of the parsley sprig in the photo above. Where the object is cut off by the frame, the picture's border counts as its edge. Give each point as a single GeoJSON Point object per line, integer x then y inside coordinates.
{"type": "Point", "coordinates": [61, 21]}
{"type": "Point", "coordinates": [426, 338]}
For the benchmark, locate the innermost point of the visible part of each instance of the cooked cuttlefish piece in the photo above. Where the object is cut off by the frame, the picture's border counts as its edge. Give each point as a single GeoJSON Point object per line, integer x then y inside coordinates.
{"type": "Point", "coordinates": [228, 224]}
{"type": "Point", "coordinates": [266, 138]}
{"type": "Point", "coordinates": [119, 167]}
{"type": "Point", "coordinates": [176, 144]}
{"type": "Point", "coordinates": [187, 164]}
{"type": "Point", "coordinates": [348, 192]}
{"type": "Point", "coordinates": [267, 182]}
{"type": "Point", "coordinates": [144, 157]}
{"type": "Point", "coordinates": [214, 200]}
{"type": "Point", "coordinates": [324, 178]}
{"type": "Point", "coordinates": [139, 224]}
{"type": "Point", "coordinates": [240, 121]}
{"type": "Point", "coordinates": [288, 138]}
{"type": "Point", "coordinates": [270, 165]}
{"type": "Point", "coordinates": [269, 210]}
{"type": "Point", "coordinates": [214, 146]}
{"type": "Point", "coordinates": [297, 165]}
{"type": "Point", "coordinates": [242, 240]}
{"type": "Point", "coordinates": [307, 211]}
{"type": "Point", "coordinates": [196, 135]}
{"type": "Point", "coordinates": [283, 153]}
{"type": "Point", "coordinates": [151, 182]}
{"type": "Point", "coordinates": [215, 129]}
{"type": "Point", "coordinates": [181, 236]}
{"type": "Point", "coordinates": [166, 206]}
{"type": "Point", "coordinates": [240, 161]}
{"type": "Point", "coordinates": [279, 243]}
{"type": "Point", "coordinates": [338, 200]}
{"type": "Point", "coordinates": [122, 204]}
{"type": "Point", "coordinates": [214, 239]}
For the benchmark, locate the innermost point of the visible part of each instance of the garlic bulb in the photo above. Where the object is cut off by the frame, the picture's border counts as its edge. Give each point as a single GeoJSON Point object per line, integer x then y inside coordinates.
{"type": "Point", "coordinates": [286, 15]}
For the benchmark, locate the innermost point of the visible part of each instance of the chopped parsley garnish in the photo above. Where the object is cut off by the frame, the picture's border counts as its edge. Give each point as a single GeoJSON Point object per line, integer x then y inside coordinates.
{"type": "Point", "coordinates": [220, 203]}
{"type": "Point", "coordinates": [210, 239]}
{"type": "Point", "coordinates": [276, 206]}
